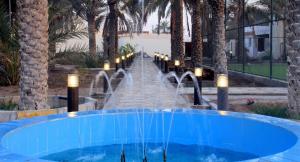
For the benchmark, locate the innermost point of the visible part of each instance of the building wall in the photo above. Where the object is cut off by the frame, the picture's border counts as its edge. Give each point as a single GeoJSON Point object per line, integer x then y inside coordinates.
{"type": "Point", "coordinates": [149, 42]}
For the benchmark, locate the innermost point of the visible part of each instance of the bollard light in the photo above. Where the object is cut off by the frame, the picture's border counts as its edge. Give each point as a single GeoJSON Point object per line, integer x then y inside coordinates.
{"type": "Point", "coordinates": [73, 92]}
{"type": "Point", "coordinates": [73, 80]}
{"type": "Point", "coordinates": [156, 58]}
{"type": "Point", "coordinates": [123, 61]}
{"type": "Point", "coordinates": [198, 71]}
{"type": "Point", "coordinates": [162, 57]}
{"type": "Point", "coordinates": [222, 85]}
{"type": "Point", "coordinates": [162, 62]}
{"type": "Point", "coordinates": [176, 62]}
{"type": "Point", "coordinates": [166, 58]}
{"type": "Point", "coordinates": [222, 81]}
{"type": "Point", "coordinates": [128, 59]}
{"type": "Point", "coordinates": [117, 63]}
{"type": "Point", "coordinates": [117, 60]}
{"type": "Point", "coordinates": [106, 66]}
{"type": "Point", "coordinates": [166, 64]}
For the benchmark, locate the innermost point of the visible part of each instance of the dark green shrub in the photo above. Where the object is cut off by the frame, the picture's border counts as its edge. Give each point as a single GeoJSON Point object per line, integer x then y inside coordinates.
{"type": "Point", "coordinates": [9, 47]}
{"type": "Point", "coordinates": [8, 105]}
{"type": "Point", "coordinates": [271, 110]}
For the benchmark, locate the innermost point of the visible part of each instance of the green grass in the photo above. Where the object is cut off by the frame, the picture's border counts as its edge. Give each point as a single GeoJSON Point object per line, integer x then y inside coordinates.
{"type": "Point", "coordinates": [263, 69]}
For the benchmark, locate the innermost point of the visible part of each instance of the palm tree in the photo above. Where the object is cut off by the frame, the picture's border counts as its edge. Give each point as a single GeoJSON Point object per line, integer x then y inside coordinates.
{"type": "Point", "coordinates": [218, 18]}
{"type": "Point", "coordinates": [177, 30]}
{"type": "Point", "coordinates": [63, 25]}
{"type": "Point", "coordinates": [9, 47]}
{"type": "Point", "coordinates": [176, 20]}
{"type": "Point", "coordinates": [197, 43]}
{"type": "Point", "coordinates": [33, 32]}
{"type": "Point", "coordinates": [91, 11]}
{"type": "Point", "coordinates": [165, 26]}
{"type": "Point", "coordinates": [121, 12]}
{"type": "Point", "coordinates": [293, 44]}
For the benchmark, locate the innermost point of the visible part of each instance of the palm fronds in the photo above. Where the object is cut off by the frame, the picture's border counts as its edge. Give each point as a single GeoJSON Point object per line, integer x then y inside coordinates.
{"type": "Point", "coordinates": [9, 59]}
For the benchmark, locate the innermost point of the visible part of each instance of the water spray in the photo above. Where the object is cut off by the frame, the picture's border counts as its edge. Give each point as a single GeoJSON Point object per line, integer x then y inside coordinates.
{"type": "Point", "coordinates": [123, 158]}
{"type": "Point", "coordinates": [164, 155]}
{"type": "Point", "coordinates": [145, 157]}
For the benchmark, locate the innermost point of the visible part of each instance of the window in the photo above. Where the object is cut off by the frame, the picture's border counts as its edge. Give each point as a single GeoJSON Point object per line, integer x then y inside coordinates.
{"type": "Point", "coordinates": [261, 44]}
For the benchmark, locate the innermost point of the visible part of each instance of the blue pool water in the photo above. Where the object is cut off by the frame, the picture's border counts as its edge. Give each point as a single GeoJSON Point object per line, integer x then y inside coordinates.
{"type": "Point", "coordinates": [154, 153]}
{"type": "Point", "coordinates": [192, 135]}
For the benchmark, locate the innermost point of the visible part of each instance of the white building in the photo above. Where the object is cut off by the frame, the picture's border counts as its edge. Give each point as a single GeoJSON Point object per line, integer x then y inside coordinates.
{"type": "Point", "coordinates": [257, 41]}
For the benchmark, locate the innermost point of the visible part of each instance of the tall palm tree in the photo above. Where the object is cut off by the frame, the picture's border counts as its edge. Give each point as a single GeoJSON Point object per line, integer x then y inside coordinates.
{"type": "Point", "coordinates": [63, 25]}
{"type": "Point", "coordinates": [164, 26]}
{"type": "Point", "coordinates": [33, 32]}
{"type": "Point", "coordinates": [197, 43]}
{"type": "Point", "coordinates": [91, 11]}
{"type": "Point", "coordinates": [110, 31]}
{"type": "Point", "coordinates": [176, 20]}
{"type": "Point", "coordinates": [177, 29]}
{"type": "Point", "coordinates": [121, 12]}
{"type": "Point", "coordinates": [293, 44]}
{"type": "Point", "coordinates": [218, 18]}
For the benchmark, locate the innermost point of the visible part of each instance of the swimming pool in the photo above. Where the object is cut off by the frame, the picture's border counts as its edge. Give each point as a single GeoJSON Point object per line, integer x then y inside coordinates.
{"type": "Point", "coordinates": [181, 130]}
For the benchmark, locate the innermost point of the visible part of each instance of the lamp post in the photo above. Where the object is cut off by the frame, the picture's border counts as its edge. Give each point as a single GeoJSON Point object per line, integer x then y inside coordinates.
{"type": "Point", "coordinates": [128, 59]}
{"type": "Point", "coordinates": [162, 66]}
{"type": "Point", "coordinates": [131, 57]}
{"type": "Point", "coordinates": [157, 58]}
{"type": "Point", "coordinates": [73, 92]}
{"type": "Point", "coordinates": [123, 62]}
{"type": "Point", "coordinates": [166, 64]}
{"type": "Point", "coordinates": [222, 85]}
{"type": "Point", "coordinates": [177, 64]}
{"type": "Point", "coordinates": [197, 96]}
{"type": "Point", "coordinates": [117, 63]}
{"type": "Point", "coordinates": [106, 68]}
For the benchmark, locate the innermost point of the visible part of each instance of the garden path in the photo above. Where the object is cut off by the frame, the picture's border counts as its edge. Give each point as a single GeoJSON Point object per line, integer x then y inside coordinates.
{"type": "Point", "coordinates": [146, 89]}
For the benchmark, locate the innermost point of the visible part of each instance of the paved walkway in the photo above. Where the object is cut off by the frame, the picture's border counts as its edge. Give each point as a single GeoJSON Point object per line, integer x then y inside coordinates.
{"type": "Point", "coordinates": [269, 91]}
{"type": "Point", "coordinates": [239, 95]}
{"type": "Point", "coordinates": [146, 89]}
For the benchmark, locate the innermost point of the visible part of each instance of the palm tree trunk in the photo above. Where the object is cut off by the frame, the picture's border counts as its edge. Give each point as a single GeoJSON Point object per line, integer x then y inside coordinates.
{"type": "Point", "coordinates": [197, 46]}
{"type": "Point", "coordinates": [92, 34]}
{"type": "Point", "coordinates": [52, 49]}
{"type": "Point", "coordinates": [111, 33]}
{"type": "Point", "coordinates": [240, 34]}
{"type": "Point", "coordinates": [177, 10]}
{"type": "Point", "coordinates": [173, 53]}
{"type": "Point", "coordinates": [33, 40]}
{"type": "Point", "coordinates": [158, 25]}
{"type": "Point", "coordinates": [219, 36]}
{"type": "Point", "coordinates": [293, 50]}
{"type": "Point", "coordinates": [105, 36]}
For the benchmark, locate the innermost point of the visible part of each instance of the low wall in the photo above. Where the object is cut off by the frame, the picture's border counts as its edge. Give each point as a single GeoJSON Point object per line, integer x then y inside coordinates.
{"type": "Point", "coordinates": [87, 104]}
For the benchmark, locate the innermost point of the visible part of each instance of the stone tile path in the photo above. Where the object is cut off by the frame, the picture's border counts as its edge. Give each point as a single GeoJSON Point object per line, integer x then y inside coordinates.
{"type": "Point", "coordinates": [146, 90]}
